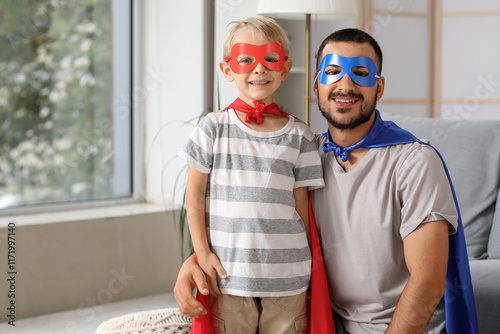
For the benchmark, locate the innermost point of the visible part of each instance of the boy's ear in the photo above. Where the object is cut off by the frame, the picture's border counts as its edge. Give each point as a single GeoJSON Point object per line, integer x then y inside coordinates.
{"type": "Point", "coordinates": [226, 70]}
{"type": "Point", "coordinates": [286, 69]}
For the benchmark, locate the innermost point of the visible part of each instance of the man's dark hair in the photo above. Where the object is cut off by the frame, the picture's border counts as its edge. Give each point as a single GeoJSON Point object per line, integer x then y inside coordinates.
{"type": "Point", "coordinates": [355, 36]}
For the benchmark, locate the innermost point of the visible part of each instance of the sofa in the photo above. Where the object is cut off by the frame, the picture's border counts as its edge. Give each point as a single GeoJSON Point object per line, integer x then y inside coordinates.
{"type": "Point", "coordinates": [471, 150]}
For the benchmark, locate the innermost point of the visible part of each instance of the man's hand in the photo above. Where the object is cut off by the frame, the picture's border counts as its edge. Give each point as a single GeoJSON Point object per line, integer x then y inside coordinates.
{"type": "Point", "coordinates": [211, 267]}
{"type": "Point", "coordinates": [191, 276]}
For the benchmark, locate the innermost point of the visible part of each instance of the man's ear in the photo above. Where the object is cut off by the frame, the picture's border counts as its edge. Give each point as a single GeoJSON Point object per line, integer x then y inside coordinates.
{"type": "Point", "coordinates": [380, 88]}
{"type": "Point", "coordinates": [226, 70]}
{"type": "Point", "coordinates": [315, 85]}
{"type": "Point", "coordinates": [286, 69]}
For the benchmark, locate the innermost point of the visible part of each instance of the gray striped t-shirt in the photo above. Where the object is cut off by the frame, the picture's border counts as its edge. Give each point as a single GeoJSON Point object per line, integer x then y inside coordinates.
{"type": "Point", "coordinates": [251, 220]}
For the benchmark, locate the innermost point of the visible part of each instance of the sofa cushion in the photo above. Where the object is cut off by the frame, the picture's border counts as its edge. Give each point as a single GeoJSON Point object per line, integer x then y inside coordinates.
{"type": "Point", "coordinates": [494, 242]}
{"type": "Point", "coordinates": [486, 286]}
{"type": "Point", "coordinates": [471, 150]}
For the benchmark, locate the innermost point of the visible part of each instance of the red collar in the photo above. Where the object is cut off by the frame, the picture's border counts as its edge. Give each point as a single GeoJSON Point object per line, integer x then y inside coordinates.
{"type": "Point", "coordinates": [255, 114]}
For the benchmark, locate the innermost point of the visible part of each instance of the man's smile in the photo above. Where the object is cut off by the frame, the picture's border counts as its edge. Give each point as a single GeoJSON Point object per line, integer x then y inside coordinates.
{"type": "Point", "coordinates": [344, 101]}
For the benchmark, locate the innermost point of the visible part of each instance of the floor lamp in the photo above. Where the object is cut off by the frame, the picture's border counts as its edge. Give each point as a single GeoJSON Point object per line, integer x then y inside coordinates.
{"type": "Point", "coordinates": [300, 9]}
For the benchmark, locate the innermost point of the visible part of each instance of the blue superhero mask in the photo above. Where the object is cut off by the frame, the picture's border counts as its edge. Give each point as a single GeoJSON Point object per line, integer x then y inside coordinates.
{"type": "Point", "coordinates": [362, 70]}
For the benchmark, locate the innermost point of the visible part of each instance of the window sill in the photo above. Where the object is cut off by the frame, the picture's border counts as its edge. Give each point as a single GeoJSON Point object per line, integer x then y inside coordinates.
{"type": "Point", "coordinates": [112, 211]}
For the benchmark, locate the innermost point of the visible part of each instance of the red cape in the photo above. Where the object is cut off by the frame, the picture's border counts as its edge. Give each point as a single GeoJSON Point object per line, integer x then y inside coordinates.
{"type": "Point", "coordinates": [320, 319]}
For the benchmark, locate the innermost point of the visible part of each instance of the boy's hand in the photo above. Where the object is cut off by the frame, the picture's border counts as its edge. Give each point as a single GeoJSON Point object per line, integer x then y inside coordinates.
{"type": "Point", "coordinates": [211, 266]}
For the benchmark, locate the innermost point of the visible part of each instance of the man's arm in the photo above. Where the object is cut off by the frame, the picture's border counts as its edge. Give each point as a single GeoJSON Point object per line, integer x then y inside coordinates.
{"type": "Point", "coordinates": [426, 256]}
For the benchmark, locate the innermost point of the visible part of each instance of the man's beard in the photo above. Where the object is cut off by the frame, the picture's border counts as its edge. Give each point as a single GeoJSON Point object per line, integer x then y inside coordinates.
{"type": "Point", "coordinates": [364, 115]}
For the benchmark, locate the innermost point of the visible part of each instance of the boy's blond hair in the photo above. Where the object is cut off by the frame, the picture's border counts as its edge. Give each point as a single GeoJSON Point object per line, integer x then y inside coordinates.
{"type": "Point", "coordinates": [264, 25]}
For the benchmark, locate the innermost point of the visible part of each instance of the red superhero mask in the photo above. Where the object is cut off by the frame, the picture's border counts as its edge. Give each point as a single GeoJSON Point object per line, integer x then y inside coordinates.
{"type": "Point", "coordinates": [245, 57]}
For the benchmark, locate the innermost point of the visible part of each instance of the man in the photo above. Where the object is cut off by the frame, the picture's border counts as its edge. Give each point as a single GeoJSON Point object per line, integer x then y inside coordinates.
{"type": "Point", "coordinates": [385, 214]}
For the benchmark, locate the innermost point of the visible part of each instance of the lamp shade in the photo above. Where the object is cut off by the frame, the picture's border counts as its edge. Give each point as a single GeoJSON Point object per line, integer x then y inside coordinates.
{"type": "Point", "coordinates": [295, 9]}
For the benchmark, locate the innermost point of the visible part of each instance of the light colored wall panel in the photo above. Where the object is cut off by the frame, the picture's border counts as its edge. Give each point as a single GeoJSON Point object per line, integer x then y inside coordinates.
{"type": "Point", "coordinates": [404, 44]}
{"type": "Point", "coordinates": [470, 6]}
{"type": "Point", "coordinates": [470, 57]}
{"type": "Point", "coordinates": [397, 6]}
{"type": "Point", "coordinates": [321, 29]}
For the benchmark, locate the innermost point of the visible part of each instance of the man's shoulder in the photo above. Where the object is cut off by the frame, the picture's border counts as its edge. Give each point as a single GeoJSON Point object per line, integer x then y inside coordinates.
{"type": "Point", "coordinates": [320, 138]}
{"type": "Point", "coordinates": [416, 148]}
{"type": "Point", "coordinates": [415, 156]}
{"type": "Point", "coordinates": [411, 154]}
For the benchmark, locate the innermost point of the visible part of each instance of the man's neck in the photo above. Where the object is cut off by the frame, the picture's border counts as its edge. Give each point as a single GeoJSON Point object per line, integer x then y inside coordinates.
{"type": "Point", "coordinates": [346, 138]}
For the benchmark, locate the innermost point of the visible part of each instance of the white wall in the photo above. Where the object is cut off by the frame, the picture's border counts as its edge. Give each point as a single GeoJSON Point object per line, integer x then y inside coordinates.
{"type": "Point", "coordinates": [175, 43]}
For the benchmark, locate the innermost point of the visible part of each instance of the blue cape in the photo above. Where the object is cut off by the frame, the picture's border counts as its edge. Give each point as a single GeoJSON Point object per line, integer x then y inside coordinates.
{"type": "Point", "coordinates": [460, 308]}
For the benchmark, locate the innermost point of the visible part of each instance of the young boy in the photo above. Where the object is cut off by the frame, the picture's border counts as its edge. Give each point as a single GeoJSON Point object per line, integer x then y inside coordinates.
{"type": "Point", "coordinates": [251, 165]}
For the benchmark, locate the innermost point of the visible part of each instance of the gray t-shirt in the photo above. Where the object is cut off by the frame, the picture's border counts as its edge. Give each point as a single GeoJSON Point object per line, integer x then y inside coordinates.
{"type": "Point", "coordinates": [362, 218]}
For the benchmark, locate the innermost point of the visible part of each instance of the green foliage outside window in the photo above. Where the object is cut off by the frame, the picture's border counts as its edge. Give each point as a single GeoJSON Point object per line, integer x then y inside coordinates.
{"type": "Point", "coordinates": [55, 101]}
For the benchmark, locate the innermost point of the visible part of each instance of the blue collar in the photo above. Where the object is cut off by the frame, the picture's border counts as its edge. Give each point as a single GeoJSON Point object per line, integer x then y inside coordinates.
{"type": "Point", "coordinates": [383, 133]}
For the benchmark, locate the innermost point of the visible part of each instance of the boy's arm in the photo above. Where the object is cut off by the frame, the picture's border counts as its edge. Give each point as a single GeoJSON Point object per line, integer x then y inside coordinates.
{"type": "Point", "coordinates": [302, 207]}
{"type": "Point", "coordinates": [195, 207]}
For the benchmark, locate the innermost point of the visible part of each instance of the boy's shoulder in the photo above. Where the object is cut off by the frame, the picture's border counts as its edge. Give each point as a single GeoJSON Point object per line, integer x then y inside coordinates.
{"type": "Point", "coordinates": [215, 116]}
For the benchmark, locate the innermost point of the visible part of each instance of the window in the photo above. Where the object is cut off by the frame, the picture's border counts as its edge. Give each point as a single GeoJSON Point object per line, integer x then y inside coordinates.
{"type": "Point", "coordinates": [65, 110]}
